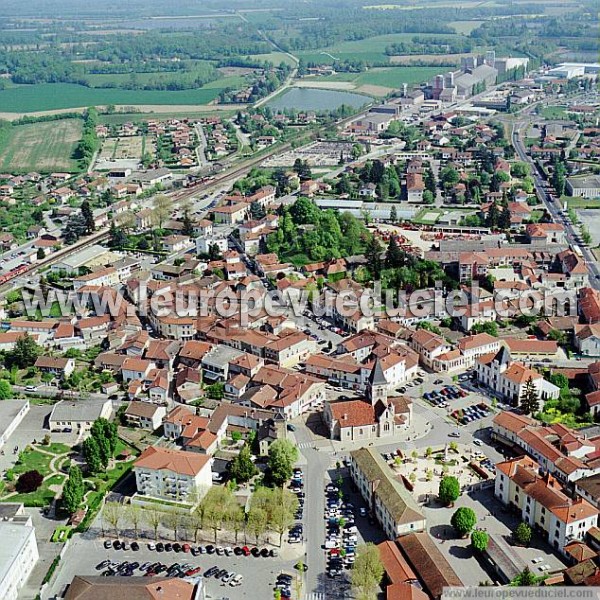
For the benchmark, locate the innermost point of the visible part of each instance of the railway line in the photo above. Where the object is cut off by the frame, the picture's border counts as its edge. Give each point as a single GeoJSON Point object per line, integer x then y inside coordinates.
{"type": "Point", "coordinates": [177, 196]}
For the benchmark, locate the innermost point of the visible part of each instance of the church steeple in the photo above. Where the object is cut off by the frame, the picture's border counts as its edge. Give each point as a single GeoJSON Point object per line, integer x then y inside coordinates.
{"type": "Point", "coordinates": [377, 387]}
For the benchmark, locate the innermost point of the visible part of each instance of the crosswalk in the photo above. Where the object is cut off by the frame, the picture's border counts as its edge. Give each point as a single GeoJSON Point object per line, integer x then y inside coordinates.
{"type": "Point", "coordinates": [303, 445]}
{"type": "Point", "coordinates": [315, 596]}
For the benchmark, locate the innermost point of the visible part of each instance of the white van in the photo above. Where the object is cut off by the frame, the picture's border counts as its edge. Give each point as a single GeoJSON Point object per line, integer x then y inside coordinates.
{"type": "Point", "coordinates": [331, 544]}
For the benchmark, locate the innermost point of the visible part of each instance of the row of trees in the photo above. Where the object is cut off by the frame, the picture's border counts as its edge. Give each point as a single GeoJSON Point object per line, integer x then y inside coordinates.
{"type": "Point", "coordinates": [270, 510]}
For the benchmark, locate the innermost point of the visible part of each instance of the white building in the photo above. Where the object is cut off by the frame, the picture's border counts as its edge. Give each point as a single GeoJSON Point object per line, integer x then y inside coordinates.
{"type": "Point", "coordinates": [204, 242]}
{"type": "Point", "coordinates": [541, 502]}
{"type": "Point", "coordinates": [78, 416]}
{"type": "Point", "coordinates": [12, 412]}
{"type": "Point", "coordinates": [18, 556]}
{"type": "Point", "coordinates": [508, 379]}
{"type": "Point", "coordinates": [172, 475]}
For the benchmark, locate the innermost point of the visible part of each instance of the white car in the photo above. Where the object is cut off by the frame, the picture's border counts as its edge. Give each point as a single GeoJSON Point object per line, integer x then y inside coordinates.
{"type": "Point", "coordinates": [237, 580]}
{"type": "Point", "coordinates": [478, 442]}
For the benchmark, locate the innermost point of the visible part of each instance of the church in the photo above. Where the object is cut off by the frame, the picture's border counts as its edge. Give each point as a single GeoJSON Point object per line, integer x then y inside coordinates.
{"type": "Point", "coordinates": [375, 416]}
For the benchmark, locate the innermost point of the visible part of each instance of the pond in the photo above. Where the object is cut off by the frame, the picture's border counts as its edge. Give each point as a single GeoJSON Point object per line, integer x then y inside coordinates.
{"type": "Point", "coordinates": [316, 99]}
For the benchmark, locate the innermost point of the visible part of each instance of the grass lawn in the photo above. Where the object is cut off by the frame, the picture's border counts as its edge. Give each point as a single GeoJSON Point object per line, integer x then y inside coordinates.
{"type": "Point", "coordinates": [54, 96]}
{"type": "Point", "coordinates": [573, 202]}
{"type": "Point", "coordinates": [41, 497]}
{"type": "Point", "coordinates": [57, 448]}
{"type": "Point", "coordinates": [42, 147]}
{"type": "Point", "coordinates": [554, 112]}
{"type": "Point", "coordinates": [32, 460]}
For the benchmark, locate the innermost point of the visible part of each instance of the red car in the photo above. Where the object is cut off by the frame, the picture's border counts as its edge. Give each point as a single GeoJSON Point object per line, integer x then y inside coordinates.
{"type": "Point", "coordinates": [246, 550]}
{"type": "Point", "coordinates": [193, 571]}
{"type": "Point", "coordinates": [186, 547]}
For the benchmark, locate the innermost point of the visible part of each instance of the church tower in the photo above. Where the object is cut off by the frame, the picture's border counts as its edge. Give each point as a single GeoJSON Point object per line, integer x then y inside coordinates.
{"type": "Point", "coordinates": [377, 387]}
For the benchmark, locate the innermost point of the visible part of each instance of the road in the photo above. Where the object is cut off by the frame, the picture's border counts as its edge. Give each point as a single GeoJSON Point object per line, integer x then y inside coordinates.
{"type": "Point", "coordinates": [553, 204]}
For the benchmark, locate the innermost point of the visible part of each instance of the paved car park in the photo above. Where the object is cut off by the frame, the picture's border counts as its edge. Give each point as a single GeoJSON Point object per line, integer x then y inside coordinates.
{"type": "Point", "coordinates": [258, 574]}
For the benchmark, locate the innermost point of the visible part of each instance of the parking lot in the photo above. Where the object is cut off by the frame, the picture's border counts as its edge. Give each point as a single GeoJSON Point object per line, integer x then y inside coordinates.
{"type": "Point", "coordinates": [258, 574]}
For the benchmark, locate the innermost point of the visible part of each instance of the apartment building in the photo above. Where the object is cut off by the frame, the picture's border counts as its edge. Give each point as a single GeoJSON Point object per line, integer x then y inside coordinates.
{"type": "Point", "coordinates": [172, 475]}
{"type": "Point", "coordinates": [388, 500]}
{"type": "Point", "coordinates": [540, 500]}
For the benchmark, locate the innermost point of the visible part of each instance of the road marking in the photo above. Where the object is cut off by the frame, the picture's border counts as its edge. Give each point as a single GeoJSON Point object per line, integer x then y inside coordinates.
{"type": "Point", "coordinates": [302, 445]}
{"type": "Point", "coordinates": [315, 596]}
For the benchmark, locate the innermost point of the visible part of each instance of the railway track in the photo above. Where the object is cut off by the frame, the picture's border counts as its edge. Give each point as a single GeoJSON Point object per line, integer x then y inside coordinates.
{"type": "Point", "coordinates": [177, 197]}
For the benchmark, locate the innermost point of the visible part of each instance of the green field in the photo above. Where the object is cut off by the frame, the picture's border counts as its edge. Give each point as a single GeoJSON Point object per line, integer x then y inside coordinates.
{"type": "Point", "coordinates": [43, 147]}
{"type": "Point", "coordinates": [371, 50]}
{"type": "Point", "coordinates": [54, 96]}
{"type": "Point", "coordinates": [395, 76]}
{"type": "Point", "coordinates": [275, 57]}
{"type": "Point", "coordinates": [465, 27]}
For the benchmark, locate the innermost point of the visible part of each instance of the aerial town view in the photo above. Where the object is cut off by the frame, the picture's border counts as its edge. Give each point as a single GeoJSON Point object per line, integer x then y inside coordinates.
{"type": "Point", "coordinates": [299, 300]}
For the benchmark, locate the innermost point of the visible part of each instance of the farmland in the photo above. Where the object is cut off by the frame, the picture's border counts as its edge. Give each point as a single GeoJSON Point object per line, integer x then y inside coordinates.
{"type": "Point", "coordinates": [54, 96]}
{"type": "Point", "coordinates": [42, 147]}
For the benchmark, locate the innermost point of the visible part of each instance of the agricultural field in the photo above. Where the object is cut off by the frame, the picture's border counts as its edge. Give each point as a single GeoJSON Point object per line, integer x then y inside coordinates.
{"type": "Point", "coordinates": [55, 96]}
{"type": "Point", "coordinates": [465, 27]}
{"type": "Point", "coordinates": [42, 147]}
{"type": "Point", "coordinates": [275, 58]}
{"type": "Point", "coordinates": [370, 50]}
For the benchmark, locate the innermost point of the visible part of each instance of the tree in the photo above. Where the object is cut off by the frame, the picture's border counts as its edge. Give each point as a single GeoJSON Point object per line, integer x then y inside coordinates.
{"type": "Point", "coordinates": [188, 224]}
{"type": "Point", "coordinates": [5, 390]}
{"type": "Point", "coordinates": [559, 380]}
{"type": "Point", "coordinates": [236, 518]}
{"type": "Point", "coordinates": [524, 579]}
{"type": "Point", "coordinates": [529, 401]}
{"type": "Point", "coordinates": [257, 522]}
{"type": "Point", "coordinates": [29, 482]}
{"type": "Point", "coordinates": [373, 256]}
{"type": "Point", "coordinates": [449, 490]}
{"type": "Point", "coordinates": [91, 453]}
{"type": "Point", "coordinates": [283, 507]}
{"type": "Point", "coordinates": [87, 216]}
{"type": "Point", "coordinates": [153, 517]}
{"type": "Point", "coordinates": [282, 457]}
{"type": "Point", "coordinates": [393, 214]}
{"type": "Point", "coordinates": [161, 209]}
{"type": "Point", "coordinates": [367, 572]}
{"type": "Point", "coordinates": [172, 520]}
{"type": "Point", "coordinates": [112, 513]}
{"type": "Point", "coordinates": [135, 517]}
{"type": "Point", "coordinates": [214, 507]}
{"type": "Point", "coordinates": [522, 534]}
{"type": "Point", "coordinates": [479, 540]}
{"type": "Point", "coordinates": [463, 520]}
{"type": "Point", "coordinates": [394, 256]}
{"type": "Point", "coordinates": [73, 490]}
{"type": "Point", "coordinates": [428, 197]}
{"type": "Point", "coordinates": [242, 468]}
{"type": "Point", "coordinates": [117, 237]}
{"type": "Point", "coordinates": [24, 354]}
